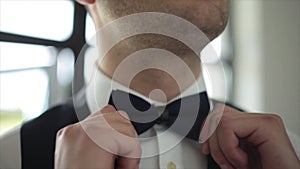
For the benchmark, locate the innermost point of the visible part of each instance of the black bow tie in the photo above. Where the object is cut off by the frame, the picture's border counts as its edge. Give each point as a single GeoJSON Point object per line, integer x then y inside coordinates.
{"type": "Point", "coordinates": [184, 116]}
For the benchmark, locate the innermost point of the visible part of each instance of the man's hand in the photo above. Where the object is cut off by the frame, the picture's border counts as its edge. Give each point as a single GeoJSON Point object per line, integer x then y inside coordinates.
{"type": "Point", "coordinates": [248, 140]}
{"type": "Point", "coordinates": [96, 141]}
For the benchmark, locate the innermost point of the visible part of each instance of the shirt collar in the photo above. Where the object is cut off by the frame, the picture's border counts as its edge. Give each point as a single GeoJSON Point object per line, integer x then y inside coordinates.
{"type": "Point", "coordinates": [99, 88]}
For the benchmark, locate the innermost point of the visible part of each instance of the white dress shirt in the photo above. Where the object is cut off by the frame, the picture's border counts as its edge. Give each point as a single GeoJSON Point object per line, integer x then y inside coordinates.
{"type": "Point", "coordinates": [186, 154]}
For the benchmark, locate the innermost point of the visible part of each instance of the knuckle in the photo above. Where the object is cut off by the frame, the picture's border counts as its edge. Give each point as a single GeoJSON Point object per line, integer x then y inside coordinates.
{"type": "Point", "coordinates": [59, 132]}
{"type": "Point", "coordinates": [132, 148]}
{"type": "Point", "coordinates": [273, 118]}
{"type": "Point", "coordinates": [69, 132]}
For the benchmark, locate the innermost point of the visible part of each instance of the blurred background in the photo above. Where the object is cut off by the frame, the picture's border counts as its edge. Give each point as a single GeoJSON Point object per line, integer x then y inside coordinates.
{"type": "Point", "coordinates": [40, 41]}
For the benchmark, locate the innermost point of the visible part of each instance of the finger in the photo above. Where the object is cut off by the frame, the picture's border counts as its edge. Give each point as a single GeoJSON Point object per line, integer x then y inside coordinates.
{"type": "Point", "coordinates": [107, 109]}
{"type": "Point", "coordinates": [217, 154]}
{"type": "Point", "coordinates": [113, 121]}
{"type": "Point", "coordinates": [128, 163]}
{"type": "Point", "coordinates": [250, 127]}
{"type": "Point", "coordinates": [211, 122]}
{"type": "Point", "coordinates": [205, 148]}
{"type": "Point", "coordinates": [229, 145]}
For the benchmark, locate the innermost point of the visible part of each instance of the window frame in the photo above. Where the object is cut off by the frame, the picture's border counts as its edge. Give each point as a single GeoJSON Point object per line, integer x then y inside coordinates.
{"type": "Point", "coordinates": [76, 42]}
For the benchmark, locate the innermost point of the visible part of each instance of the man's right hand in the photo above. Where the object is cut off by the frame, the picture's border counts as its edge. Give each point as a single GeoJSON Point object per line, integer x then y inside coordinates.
{"type": "Point", "coordinates": [247, 140]}
{"type": "Point", "coordinates": [96, 141]}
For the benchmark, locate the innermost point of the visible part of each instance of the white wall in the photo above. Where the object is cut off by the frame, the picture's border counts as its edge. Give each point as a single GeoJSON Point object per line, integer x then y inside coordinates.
{"type": "Point", "coordinates": [267, 57]}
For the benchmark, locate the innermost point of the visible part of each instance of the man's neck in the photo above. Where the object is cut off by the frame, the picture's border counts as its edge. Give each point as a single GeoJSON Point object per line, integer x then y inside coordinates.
{"type": "Point", "coordinates": [149, 63]}
{"type": "Point", "coordinates": [100, 87]}
{"type": "Point", "coordinates": [158, 83]}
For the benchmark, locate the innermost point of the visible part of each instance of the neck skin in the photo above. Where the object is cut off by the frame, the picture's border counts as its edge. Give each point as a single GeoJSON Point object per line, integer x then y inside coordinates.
{"type": "Point", "coordinates": [148, 80]}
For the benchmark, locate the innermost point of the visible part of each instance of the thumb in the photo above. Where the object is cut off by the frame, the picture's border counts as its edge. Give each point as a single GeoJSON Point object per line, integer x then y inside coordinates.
{"type": "Point", "coordinates": [123, 162]}
{"type": "Point", "coordinates": [211, 122]}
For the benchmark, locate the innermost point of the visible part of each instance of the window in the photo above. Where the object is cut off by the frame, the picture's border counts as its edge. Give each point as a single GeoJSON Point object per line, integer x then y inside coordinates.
{"type": "Point", "coordinates": [45, 19]}
{"type": "Point", "coordinates": [37, 52]}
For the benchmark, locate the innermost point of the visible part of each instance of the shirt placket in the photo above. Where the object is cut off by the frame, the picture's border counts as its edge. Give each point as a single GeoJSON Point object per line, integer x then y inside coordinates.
{"type": "Point", "coordinates": [170, 149]}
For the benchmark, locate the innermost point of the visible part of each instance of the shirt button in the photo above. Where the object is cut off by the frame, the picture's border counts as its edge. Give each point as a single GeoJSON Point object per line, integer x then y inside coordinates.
{"type": "Point", "coordinates": [171, 165]}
